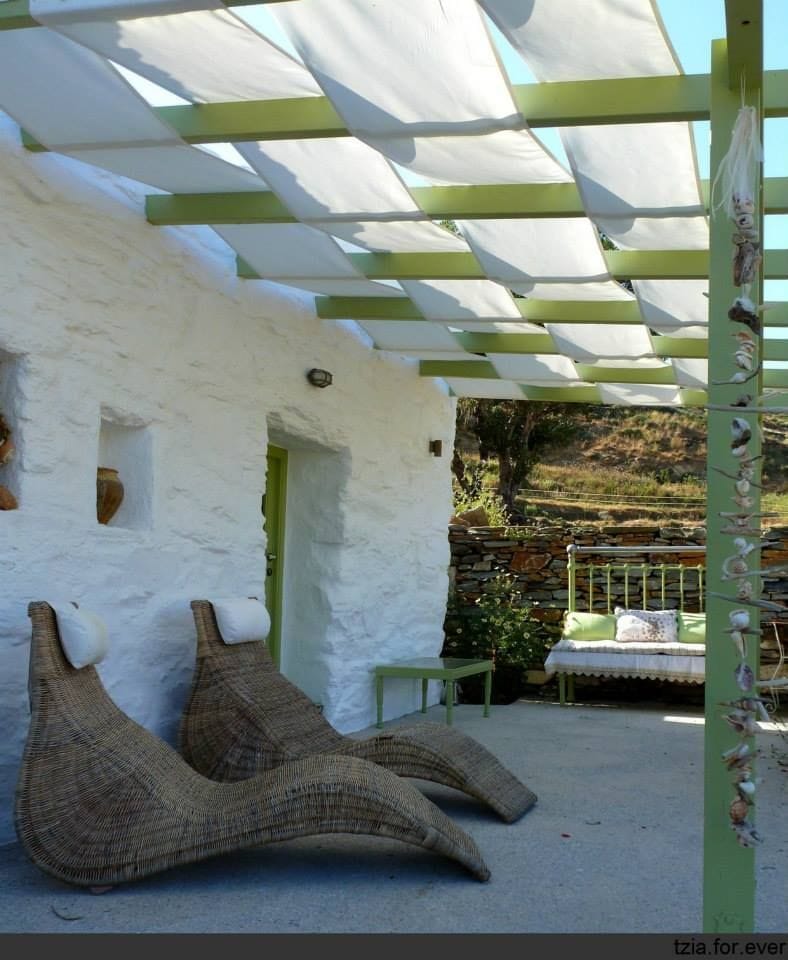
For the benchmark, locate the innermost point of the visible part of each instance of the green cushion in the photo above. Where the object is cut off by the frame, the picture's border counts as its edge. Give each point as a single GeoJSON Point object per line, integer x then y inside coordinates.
{"type": "Point", "coordinates": [692, 627]}
{"type": "Point", "coordinates": [589, 626]}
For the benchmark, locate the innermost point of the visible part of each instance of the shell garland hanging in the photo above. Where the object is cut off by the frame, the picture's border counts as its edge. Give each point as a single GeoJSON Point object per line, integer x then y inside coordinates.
{"type": "Point", "coordinates": [734, 192]}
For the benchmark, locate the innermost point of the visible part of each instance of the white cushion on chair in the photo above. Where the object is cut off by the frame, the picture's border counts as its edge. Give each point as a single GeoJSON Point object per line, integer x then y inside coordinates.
{"type": "Point", "coordinates": [83, 635]}
{"type": "Point", "coordinates": [242, 621]}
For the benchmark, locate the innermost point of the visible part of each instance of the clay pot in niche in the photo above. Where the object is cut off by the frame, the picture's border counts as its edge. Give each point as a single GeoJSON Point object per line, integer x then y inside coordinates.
{"type": "Point", "coordinates": [109, 493]}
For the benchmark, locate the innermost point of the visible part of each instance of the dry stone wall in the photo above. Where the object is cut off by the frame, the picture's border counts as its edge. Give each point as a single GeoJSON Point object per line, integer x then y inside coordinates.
{"type": "Point", "coordinates": [536, 557]}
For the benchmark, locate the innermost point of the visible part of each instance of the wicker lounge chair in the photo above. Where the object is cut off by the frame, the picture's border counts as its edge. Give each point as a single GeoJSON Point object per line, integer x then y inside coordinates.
{"type": "Point", "coordinates": [243, 716]}
{"type": "Point", "coordinates": [100, 800]}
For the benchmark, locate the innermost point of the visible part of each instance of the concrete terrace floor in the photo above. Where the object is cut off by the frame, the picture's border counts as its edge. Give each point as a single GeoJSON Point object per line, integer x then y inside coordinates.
{"type": "Point", "coordinates": [614, 845]}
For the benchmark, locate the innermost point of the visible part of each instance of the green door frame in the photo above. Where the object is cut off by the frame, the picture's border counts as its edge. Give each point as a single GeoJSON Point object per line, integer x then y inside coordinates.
{"type": "Point", "coordinates": [274, 508]}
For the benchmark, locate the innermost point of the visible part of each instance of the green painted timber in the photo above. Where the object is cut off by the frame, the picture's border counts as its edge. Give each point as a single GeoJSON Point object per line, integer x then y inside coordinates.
{"type": "Point", "coordinates": [536, 311]}
{"type": "Point", "coordinates": [629, 100]}
{"type": "Point", "coordinates": [367, 308]}
{"type": "Point", "coordinates": [775, 379]}
{"type": "Point", "coordinates": [623, 265]}
{"type": "Point", "coordinates": [259, 206]}
{"type": "Point", "coordinates": [475, 369]}
{"type": "Point", "coordinates": [662, 264]}
{"type": "Point", "coordinates": [296, 118]}
{"type": "Point", "coordinates": [477, 202]}
{"type": "Point", "coordinates": [661, 376]}
{"type": "Point", "coordinates": [584, 394]}
{"type": "Point", "coordinates": [15, 15]}
{"type": "Point", "coordinates": [728, 869]}
{"type": "Point", "coordinates": [744, 32]}
{"type": "Point", "coordinates": [637, 100]}
{"type": "Point", "coordinates": [692, 397]}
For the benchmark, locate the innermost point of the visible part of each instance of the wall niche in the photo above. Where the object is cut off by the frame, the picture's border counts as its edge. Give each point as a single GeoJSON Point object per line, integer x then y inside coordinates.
{"type": "Point", "coordinates": [10, 440]}
{"type": "Point", "coordinates": [125, 445]}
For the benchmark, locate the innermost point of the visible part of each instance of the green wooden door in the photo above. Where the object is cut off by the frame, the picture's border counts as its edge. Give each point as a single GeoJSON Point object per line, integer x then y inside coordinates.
{"type": "Point", "coordinates": [274, 501]}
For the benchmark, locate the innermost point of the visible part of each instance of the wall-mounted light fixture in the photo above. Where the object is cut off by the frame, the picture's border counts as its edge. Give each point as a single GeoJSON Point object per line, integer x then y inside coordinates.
{"type": "Point", "coordinates": [319, 378]}
{"type": "Point", "coordinates": [436, 448]}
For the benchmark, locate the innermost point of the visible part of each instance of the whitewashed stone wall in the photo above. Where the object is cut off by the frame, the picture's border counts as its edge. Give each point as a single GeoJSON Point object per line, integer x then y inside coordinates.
{"type": "Point", "coordinates": [137, 343]}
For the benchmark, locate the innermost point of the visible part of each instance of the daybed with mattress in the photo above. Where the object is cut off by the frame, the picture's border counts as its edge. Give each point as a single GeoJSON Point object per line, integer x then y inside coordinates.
{"type": "Point", "coordinates": [655, 638]}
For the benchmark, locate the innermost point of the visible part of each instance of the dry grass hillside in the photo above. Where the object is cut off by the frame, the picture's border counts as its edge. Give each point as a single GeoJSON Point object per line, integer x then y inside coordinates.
{"type": "Point", "coordinates": [627, 464]}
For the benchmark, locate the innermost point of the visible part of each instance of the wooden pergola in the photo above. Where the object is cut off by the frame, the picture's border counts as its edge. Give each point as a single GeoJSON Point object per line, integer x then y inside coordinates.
{"type": "Point", "coordinates": [534, 347]}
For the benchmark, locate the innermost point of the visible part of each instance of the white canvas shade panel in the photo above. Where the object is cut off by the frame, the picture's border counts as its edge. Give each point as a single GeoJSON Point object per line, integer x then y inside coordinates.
{"type": "Point", "coordinates": [536, 369]}
{"type": "Point", "coordinates": [505, 156]}
{"type": "Point", "coordinates": [207, 55]}
{"type": "Point", "coordinates": [691, 373]}
{"type": "Point", "coordinates": [401, 236]}
{"type": "Point", "coordinates": [412, 338]}
{"type": "Point", "coordinates": [490, 389]}
{"type": "Point", "coordinates": [416, 67]}
{"type": "Point", "coordinates": [621, 170]}
{"type": "Point", "coordinates": [635, 395]}
{"type": "Point", "coordinates": [674, 307]}
{"type": "Point", "coordinates": [69, 98]}
{"type": "Point", "coordinates": [462, 300]}
{"type": "Point", "coordinates": [534, 254]}
{"type": "Point", "coordinates": [420, 84]}
{"type": "Point", "coordinates": [179, 168]}
{"type": "Point", "coordinates": [329, 178]}
{"type": "Point", "coordinates": [588, 342]}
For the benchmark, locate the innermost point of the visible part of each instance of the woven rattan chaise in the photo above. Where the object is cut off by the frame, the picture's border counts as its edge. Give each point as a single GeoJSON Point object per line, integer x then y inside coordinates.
{"type": "Point", "coordinates": [100, 800]}
{"type": "Point", "coordinates": [243, 716]}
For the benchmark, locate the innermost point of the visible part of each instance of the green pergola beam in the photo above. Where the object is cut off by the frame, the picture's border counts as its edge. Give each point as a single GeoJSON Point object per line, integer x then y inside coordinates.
{"type": "Point", "coordinates": [622, 265]}
{"type": "Point", "coordinates": [535, 311]}
{"type": "Point", "coordinates": [467, 369]}
{"type": "Point", "coordinates": [477, 202]}
{"type": "Point", "coordinates": [367, 308]}
{"type": "Point", "coordinates": [584, 394]}
{"type": "Point", "coordinates": [15, 15]}
{"type": "Point", "coordinates": [629, 100]}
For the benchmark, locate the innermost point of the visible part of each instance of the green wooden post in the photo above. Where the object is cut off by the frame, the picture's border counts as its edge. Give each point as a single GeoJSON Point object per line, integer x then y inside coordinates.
{"type": "Point", "coordinates": [728, 869]}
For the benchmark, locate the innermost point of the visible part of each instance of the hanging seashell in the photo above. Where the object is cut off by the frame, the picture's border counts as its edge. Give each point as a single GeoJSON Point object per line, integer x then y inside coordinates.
{"type": "Point", "coordinates": [743, 203]}
{"type": "Point", "coordinates": [737, 378]}
{"type": "Point", "coordinates": [734, 565]}
{"type": "Point", "coordinates": [743, 310]}
{"type": "Point", "coordinates": [739, 752]}
{"type": "Point", "coordinates": [743, 359]}
{"type": "Point", "coordinates": [743, 547]}
{"type": "Point", "coordinates": [747, 259]}
{"type": "Point", "coordinates": [743, 723]}
{"type": "Point", "coordinates": [746, 834]}
{"type": "Point", "coordinates": [745, 339]}
{"type": "Point", "coordinates": [746, 787]}
{"type": "Point", "coordinates": [740, 429]}
{"type": "Point", "coordinates": [739, 619]}
{"type": "Point", "coordinates": [745, 678]}
{"type": "Point", "coordinates": [744, 591]}
{"type": "Point", "coordinates": [742, 486]}
{"type": "Point", "coordinates": [738, 810]}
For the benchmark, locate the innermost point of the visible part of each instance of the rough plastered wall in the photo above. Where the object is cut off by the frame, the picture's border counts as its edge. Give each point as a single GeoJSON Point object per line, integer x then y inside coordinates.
{"type": "Point", "coordinates": [123, 341]}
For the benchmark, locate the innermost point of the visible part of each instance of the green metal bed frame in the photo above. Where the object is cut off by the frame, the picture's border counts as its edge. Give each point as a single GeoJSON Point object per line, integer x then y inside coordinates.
{"type": "Point", "coordinates": [606, 576]}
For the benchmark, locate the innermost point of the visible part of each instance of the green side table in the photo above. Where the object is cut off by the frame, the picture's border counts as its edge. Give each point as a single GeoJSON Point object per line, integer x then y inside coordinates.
{"type": "Point", "coordinates": [434, 668]}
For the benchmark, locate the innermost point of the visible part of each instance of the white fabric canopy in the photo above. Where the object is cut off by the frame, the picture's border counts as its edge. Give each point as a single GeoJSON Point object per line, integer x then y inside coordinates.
{"type": "Point", "coordinates": [425, 99]}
